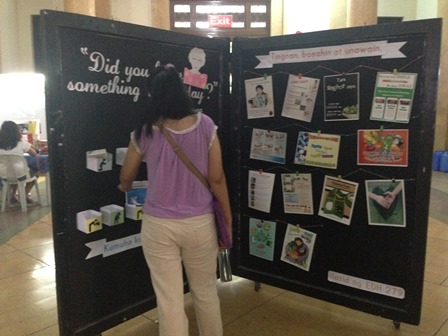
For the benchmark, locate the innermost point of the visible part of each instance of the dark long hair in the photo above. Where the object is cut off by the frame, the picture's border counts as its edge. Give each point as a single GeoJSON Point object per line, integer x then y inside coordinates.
{"type": "Point", "coordinates": [9, 135]}
{"type": "Point", "coordinates": [167, 98]}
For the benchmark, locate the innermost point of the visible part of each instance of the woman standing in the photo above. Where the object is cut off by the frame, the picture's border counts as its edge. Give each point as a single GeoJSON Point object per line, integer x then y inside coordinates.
{"type": "Point", "coordinates": [178, 223]}
{"type": "Point", "coordinates": [11, 143]}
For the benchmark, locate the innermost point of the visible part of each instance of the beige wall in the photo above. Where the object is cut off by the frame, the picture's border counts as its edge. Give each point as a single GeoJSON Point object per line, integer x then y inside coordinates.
{"type": "Point", "coordinates": [441, 133]}
{"type": "Point", "coordinates": [8, 35]}
{"type": "Point", "coordinates": [405, 8]}
{"type": "Point", "coordinates": [16, 47]}
{"type": "Point", "coordinates": [16, 32]}
{"type": "Point", "coordinates": [135, 11]}
{"type": "Point", "coordinates": [277, 17]}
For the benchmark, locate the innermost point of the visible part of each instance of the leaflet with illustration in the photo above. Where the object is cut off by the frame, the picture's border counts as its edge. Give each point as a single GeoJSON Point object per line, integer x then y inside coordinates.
{"type": "Point", "coordinates": [262, 238]}
{"type": "Point", "coordinates": [298, 247]}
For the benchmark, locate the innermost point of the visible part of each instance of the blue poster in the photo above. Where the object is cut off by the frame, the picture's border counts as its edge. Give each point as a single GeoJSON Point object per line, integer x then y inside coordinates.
{"type": "Point", "coordinates": [262, 238]}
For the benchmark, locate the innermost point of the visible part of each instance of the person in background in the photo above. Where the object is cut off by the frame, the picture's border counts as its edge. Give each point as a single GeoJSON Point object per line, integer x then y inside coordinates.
{"type": "Point", "coordinates": [11, 142]}
{"type": "Point", "coordinates": [178, 225]}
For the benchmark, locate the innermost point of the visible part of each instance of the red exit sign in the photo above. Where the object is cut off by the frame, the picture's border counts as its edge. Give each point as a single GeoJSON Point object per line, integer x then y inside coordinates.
{"type": "Point", "coordinates": [220, 21]}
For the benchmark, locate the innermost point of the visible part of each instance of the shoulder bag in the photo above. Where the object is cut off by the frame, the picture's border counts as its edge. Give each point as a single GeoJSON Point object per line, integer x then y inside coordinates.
{"type": "Point", "coordinates": [221, 223]}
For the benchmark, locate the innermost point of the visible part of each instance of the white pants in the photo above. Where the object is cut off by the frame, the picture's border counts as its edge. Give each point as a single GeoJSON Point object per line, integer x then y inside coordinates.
{"type": "Point", "coordinates": [167, 243]}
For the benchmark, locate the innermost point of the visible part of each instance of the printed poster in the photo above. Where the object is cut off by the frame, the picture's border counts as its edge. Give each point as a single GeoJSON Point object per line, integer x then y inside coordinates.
{"type": "Point", "coordinates": [259, 97]}
{"type": "Point", "coordinates": [300, 98]}
{"type": "Point", "coordinates": [386, 202]}
{"type": "Point", "coordinates": [388, 147]}
{"type": "Point", "coordinates": [297, 194]}
{"type": "Point", "coordinates": [341, 94]}
{"type": "Point", "coordinates": [393, 97]}
{"type": "Point", "coordinates": [338, 199]}
{"type": "Point", "coordinates": [262, 238]}
{"type": "Point", "coordinates": [318, 150]}
{"type": "Point", "coordinates": [268, 146]}
{"type": "Point", "coordinates": [298, 247]}
{"type": "Point", "coordinates": [260, 186]}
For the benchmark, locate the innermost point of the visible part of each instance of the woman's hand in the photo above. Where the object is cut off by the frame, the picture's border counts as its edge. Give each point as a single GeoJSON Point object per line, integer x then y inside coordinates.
{"type": "Point", "coordinates": [381, 200]}
{"type": "Point", "coordinates": [124, 187]}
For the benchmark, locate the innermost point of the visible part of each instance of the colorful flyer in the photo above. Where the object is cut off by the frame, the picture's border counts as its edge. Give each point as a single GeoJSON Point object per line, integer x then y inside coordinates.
{"type": "Point", "coordinates": [298, 247]}
{"type": "Point", "coordinates": [297, 194]}
{"type": "Point", "coordinates": [341, 94]}
{"type": "Point", "coordinates": [268, 145]}
{"type": "Point", "coordinates": [393, 97]}
{"type": "Point", "coordinates": [318, 150]}
{"type": "Point", "coordinates": [262, 238]}
{"type": "Point", "coordinates": [383, 147]}
{"type": "Point", "coordinates": [260, 188]}
{"type": "Point", "coordinates": [259, 97]}
{"type": "Point", "coordinates": [386, 202]}
{"type": "Point", "coordinates": [338, 199]}
{"type": "Point", "coordinates": [300, 98]}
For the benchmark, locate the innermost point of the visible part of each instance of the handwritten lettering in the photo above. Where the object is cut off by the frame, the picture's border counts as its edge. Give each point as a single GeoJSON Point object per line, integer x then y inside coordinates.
{"type": "Point", "coordinates": [115, 84]}
{"type": "Point", "coordinates": [137, 72]}
{"type": "Point", "coordinates": [199, 95]}
{"type": "Point", "coordinates": [112, 86]}
{"type": "Point", "coordinates": [100, 63]}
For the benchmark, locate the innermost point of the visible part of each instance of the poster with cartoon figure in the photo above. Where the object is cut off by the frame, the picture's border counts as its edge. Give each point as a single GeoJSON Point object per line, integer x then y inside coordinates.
{"type": "Point", "coordinates": [386, 202]}
{"type": "Point", "coordinates": [300, 98]}
{"type": "Point", "coordinates": [193, 76]}
{"type": "Point", "coordinates": [268, 145]}
{"type": "Point", "coordinates": [259, 97]}
{"type": "Point", "coordinates": [383, 147]}
{"type": "Point", "coordinates": [262, 238]}
{"type": "Point", "coordinates": [298, 247]}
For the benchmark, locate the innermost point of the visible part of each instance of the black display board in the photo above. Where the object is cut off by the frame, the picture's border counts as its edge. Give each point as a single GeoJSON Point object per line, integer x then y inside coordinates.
{"type": "Point", "coordinates": [92, 102]}
{"type": "Point", "coordinates": [373, 268]}
{"type": "Point", "coordinates": [95, 73]}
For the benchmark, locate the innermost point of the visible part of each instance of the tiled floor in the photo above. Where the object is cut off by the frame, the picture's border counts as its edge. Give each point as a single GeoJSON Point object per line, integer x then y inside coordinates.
{"type": "Point", "coordinates": [28, 298]}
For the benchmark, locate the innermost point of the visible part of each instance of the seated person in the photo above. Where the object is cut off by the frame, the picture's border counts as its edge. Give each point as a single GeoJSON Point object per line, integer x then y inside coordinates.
{"type": "Point", "coordinates": [11, 143]}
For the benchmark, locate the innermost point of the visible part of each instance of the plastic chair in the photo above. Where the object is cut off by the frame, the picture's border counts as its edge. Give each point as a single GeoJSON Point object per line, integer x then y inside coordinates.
{"type": "Point", "coordinates": [14, 170]}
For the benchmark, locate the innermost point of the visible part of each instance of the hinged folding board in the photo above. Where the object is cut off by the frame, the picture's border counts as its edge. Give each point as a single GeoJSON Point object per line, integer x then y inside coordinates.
{"type": "Point", "coordinates": [92, 102]}
{"type": "Point", "coordinates": [372, 265]}
{"type": "Point", "coordinates": [95, 73]}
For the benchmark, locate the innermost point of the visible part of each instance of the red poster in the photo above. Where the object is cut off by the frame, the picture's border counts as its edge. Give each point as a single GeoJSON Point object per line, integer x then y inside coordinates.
{"type": "Point", "coordinates": [383, 147]}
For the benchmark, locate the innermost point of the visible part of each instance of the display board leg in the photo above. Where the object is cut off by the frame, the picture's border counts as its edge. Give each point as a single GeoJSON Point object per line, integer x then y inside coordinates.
{"type": "Point", "coordinates": [257, 286]}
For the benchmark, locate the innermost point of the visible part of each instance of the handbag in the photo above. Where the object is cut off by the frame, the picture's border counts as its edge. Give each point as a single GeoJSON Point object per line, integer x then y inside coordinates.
{"type": "Point", "coordinates": [221, 223]}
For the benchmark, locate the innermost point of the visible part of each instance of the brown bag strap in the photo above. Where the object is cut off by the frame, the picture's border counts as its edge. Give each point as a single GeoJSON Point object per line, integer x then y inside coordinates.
{"type": "Point", "coordinates": [181, 154]}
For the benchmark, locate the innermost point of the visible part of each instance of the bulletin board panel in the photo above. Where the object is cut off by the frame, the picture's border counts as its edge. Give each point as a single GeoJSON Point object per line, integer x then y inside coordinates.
{"type": "Point", "coordinates": [96, 72]}
{"type": "Point", "coordinates": [322, 88]}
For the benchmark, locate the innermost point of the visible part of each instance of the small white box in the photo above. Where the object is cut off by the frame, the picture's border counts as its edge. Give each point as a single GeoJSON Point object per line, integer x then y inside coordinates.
{"type": "Point", "coordinates": [120, 154]}
{"type": "Point", "coordinates": [134, 211]}
{"type": "Point", "coordinates": [99, 160]}
{"type": "Point", "coordinates": [89, 221]}
{"type": "Point", "coordinates": [112, 214]}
